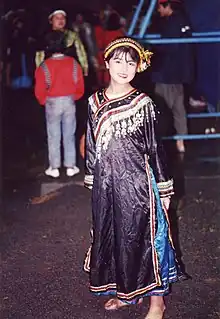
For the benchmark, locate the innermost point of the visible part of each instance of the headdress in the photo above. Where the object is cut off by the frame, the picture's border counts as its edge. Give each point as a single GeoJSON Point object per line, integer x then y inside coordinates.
{"type": "Point", "coordinates": [57, 12]}
{"type": "Point", "coordinates": [144, 55]}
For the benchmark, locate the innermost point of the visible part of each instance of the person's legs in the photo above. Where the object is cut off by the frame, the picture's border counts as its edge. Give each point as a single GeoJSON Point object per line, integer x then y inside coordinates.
{"type": "Point", "coordinates": [173, 96]}
{"type": "Point", "coordinates": [53, 120]}
{"type": "Point", "coordinates": [179, 114]}
{"type": "Point", "coordinates": [164, 101]}
{"type": "Point", "coordinates": [165, 92]}
{"type": "Point", "coordinates": [157, 308]}
{"type": "Point", "coordinates": [69, 129]}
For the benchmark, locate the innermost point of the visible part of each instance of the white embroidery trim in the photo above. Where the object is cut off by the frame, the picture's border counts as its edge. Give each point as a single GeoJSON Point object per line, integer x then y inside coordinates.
{"type": "Point", "coordinates": [122, 123]}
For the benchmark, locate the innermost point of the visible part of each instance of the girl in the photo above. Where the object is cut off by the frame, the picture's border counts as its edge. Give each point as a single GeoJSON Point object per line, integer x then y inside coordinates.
{"type": "Point", "coordinates": [132, 255]}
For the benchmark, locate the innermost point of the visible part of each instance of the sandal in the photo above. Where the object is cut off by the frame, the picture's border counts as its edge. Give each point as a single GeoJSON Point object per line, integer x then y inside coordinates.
{"type": "Point", "coordinates": [115, 304]}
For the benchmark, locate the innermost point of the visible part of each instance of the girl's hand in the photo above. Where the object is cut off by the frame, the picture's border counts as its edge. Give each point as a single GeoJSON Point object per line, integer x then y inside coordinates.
{"type": "Point", "coordinates": [165, 203]}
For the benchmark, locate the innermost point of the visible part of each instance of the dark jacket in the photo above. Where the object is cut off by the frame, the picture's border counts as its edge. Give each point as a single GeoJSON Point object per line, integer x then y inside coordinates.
{"type": "Point", "coordinates": [173, 63]}
{"type": "Point", "coordinates": [205, 17]}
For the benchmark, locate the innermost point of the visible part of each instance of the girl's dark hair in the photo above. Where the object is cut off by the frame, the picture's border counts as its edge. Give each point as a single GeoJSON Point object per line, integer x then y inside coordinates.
{"type": "Point", "coordinates": [55, 42]}
{"type": "Point", "coordinates": [124, 49]}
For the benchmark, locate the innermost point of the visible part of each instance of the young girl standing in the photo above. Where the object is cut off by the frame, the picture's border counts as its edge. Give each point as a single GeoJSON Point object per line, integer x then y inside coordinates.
{"type": "Point", "coordinates": [132, 255]}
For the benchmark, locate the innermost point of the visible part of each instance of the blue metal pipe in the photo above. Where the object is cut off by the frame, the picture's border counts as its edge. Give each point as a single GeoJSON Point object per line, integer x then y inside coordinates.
{"type": "Point", "coordinates": [147, 18]}
{"type": "Point", "coordinates": [208, 33]}
{"type": "Point", "coordinates": [203, 115]}
{"type": "Point", "coordinates": [194, 34]}
{"type": "Point", "coordinates": [135, 18]}
{"type": "Point", "coordinates": [193, 137]}
{"type": "Point", "coordinates": [152, 36]}
{"type": "Point", "coordinates": [182, 40]}
{"type": "Point", "coordinates": [147, 36]}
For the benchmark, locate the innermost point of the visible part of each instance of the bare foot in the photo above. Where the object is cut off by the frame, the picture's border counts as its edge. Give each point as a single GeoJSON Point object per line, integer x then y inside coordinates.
{"type": "Point", "coordinates": [115, 304]}
{"type": "Point", "coordinates": [155, 313]}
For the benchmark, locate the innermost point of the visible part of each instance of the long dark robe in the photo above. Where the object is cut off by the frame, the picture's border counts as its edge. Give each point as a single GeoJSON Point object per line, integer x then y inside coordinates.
{"type": "Point", "coordinates": [131, 255]}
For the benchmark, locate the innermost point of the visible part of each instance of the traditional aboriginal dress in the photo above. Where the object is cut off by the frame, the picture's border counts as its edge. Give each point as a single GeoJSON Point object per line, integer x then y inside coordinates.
{"type": "Point", "coordinates": [131, 255]}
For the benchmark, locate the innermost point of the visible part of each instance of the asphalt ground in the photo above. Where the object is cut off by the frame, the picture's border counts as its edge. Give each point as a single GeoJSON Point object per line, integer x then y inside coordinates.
{"type": "Point", "coordinates": [45, 235]}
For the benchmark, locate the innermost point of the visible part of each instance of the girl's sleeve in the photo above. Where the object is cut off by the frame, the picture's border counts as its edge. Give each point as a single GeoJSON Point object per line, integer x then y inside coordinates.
{"type": "Point", "coordinates": [89, 152]}
{"type": "Point", "coordinates": [155, 151]}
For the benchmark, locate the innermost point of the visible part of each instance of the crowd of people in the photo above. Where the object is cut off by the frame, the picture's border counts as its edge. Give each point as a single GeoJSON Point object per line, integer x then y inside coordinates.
{"type": "Point", "coordinates": [86, 38]}
{"type": "Point", "coordinates": [26, 50]}
{"type": "Point", "coordinates": [85, 41]}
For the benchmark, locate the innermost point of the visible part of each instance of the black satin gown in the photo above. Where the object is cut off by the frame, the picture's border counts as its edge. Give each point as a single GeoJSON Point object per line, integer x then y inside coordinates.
{"type": "Point", "coordinates": [131, 255]}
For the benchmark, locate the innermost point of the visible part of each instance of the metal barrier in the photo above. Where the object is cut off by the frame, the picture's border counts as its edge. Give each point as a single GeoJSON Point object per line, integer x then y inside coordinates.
{"type": "Point", "coordinates": [146, 21]}
{"type": "Point", "coordinates": [135, 18]}
{"type": "Point", "coordinates": [193, 137]}
{"type": "Point", "coordinates": [197, 37]}
{"type": "Point", "coordinates": [147, 18]}
{"type": "Point", "coordinates": [203, 115]}
{"type": "Point", "coordinates": [182, 40]}
{"type": "Point", "coordinates": [194, 34]}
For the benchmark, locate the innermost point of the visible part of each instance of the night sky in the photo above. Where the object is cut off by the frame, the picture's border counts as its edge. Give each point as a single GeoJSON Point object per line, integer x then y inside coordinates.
{"type": "Point", "coordinates": [66, 4]}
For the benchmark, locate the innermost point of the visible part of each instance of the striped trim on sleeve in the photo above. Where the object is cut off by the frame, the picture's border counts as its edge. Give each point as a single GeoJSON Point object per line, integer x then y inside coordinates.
{"type": "Point", "coordinates": [75, 71]}
{"type": "Point", "coordinates": [88, 181]}
{"type": "Point", "coordinates": [47, 74]}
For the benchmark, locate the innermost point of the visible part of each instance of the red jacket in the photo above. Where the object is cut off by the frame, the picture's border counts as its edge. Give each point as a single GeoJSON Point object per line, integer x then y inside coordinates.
{"type": "Point", "coordinates": [59, 76]}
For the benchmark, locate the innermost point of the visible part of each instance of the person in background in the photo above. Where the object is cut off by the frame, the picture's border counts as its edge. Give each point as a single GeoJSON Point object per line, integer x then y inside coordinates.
{"type": "Point", "coordinates": [73, 45]}
{"type": "Point", "coordinates": [106, 13]}
{"type": "Point", "coordinates": [131, 256]}
{"type": "Point", "coordinates": [59, 83]}
{"type": "Point", "coordinates": [172, 66]}
{"type": "Point", "coordinates": [86, 33]}
{"type": "Point", "coordinates": [21, 111]}
{"type": "Point", "coordinates": [204, 17]}
{"type": "Point", "coordinates": [105, 32]}
{"type": "Point", "coordinates": [107, 29]}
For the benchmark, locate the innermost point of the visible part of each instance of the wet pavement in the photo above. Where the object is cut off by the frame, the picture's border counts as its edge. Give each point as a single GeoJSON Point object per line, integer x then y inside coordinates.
{"type": "Point", "coordinates": [45, 234]}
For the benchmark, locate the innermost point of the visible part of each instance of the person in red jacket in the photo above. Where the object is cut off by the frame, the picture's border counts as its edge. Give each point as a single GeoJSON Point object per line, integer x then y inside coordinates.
{"type": "Point", "coordinates": [58, 84]}
{"type": "Point", "coordinates": [105, 33]}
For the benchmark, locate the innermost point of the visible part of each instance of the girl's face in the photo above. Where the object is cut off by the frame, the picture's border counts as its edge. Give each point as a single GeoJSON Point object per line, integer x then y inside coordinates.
{"type": "Point", "coordinates": [122, 68]}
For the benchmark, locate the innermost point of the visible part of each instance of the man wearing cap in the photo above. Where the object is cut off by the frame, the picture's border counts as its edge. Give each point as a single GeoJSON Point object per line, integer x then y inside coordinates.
{"type": "Point", "coordinates": [172, 65]}
{"type": "Point", "coordinates": [74, 46]}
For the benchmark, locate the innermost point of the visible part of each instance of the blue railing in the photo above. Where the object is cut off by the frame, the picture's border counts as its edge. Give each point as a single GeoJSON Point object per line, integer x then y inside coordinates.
{"type": "Point", "coordinates": [135, 18]}
{"type": "Point", "coordinates": [193, 137]}
{"type": "Point", "coordinates": [182, 40]}
{"type": "Point", "coordinates": [146, 22]}
{"type": "Point", "coordinates": [197, 37]}
{"type": "Point", "coordinates": [147, 18]}
{"type": "Point", "coordinates": [194, 34]}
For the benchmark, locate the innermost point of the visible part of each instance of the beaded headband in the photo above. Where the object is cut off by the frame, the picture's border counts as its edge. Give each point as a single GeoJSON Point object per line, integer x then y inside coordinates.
{"type": "Point", "coordinates": [144, 55]}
